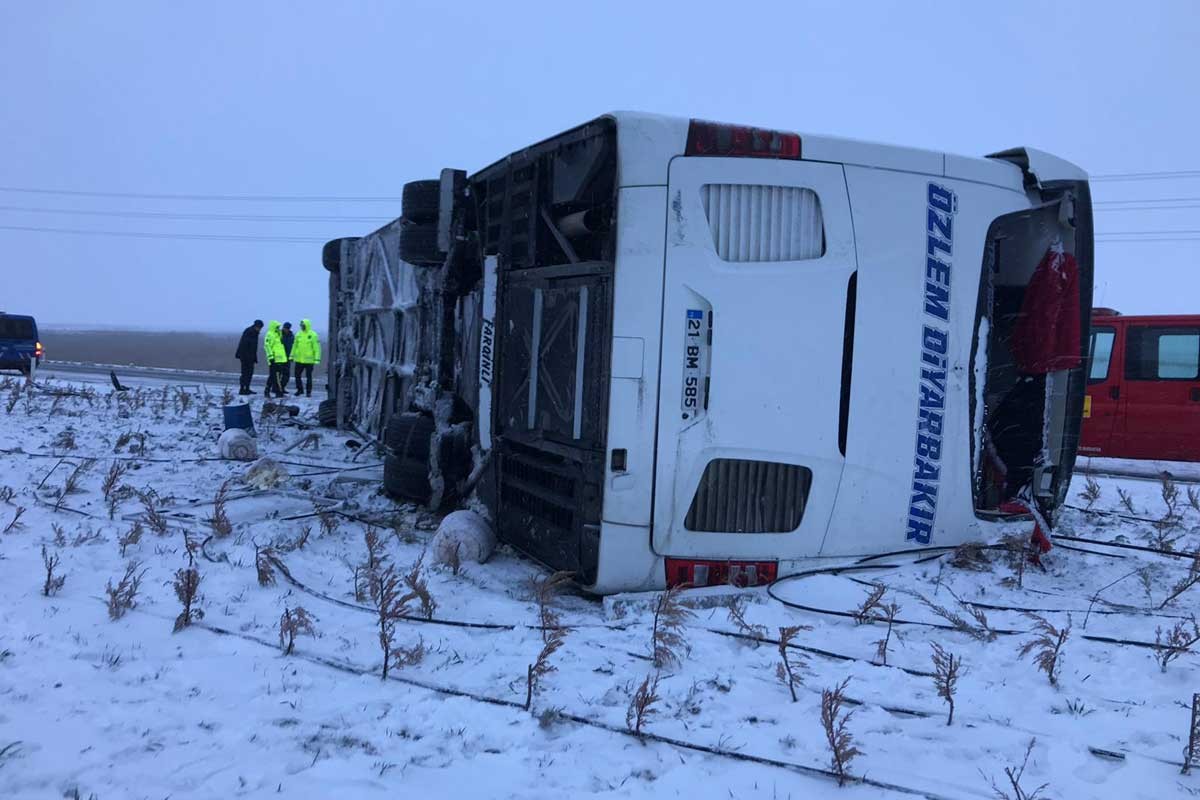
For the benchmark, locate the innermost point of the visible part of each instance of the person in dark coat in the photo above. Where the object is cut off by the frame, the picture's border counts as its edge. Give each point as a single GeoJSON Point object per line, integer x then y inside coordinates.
{"type": "Point", "coordinates": [247, 353]}
{"type": "Point", "coordinates": [285, 369]}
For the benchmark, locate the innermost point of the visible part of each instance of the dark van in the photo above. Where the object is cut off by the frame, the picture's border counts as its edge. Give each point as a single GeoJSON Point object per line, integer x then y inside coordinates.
{"type": "Point", "coordinates": [1143, 392]}
{"type": "Point", "coordinates": [20, 347]}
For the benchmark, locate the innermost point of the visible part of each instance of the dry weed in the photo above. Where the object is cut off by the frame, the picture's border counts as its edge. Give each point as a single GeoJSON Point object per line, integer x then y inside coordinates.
{"type": "Point", "coordinates": [667, 642]}
{"type": "Point", "coordinates": [123, 596]}
{"type": "Point", "coordinates": [642, 704]}
{"type": "Point", "coordinates": [53, 582]}
{"type": "Point", "coordinates": [294, 622]}
{"type": "Point", "coordinates": [1047, 646]}
{"type": "Point", "coordinates": [946, 670]}
{"type": "Point", "coordinates": [790, 674]}
{"type": "Point", "coordinates": [837, 734]}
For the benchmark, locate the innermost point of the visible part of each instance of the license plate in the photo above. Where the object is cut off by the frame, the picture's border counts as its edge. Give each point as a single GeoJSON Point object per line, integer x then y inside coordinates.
{"type": "Point", "coordinates": [694, 398]}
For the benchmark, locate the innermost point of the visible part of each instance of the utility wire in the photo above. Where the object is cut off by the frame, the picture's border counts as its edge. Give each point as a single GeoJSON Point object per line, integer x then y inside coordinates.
{"type": "Point", "coordinates": [1147, 200]}
{"type": "Point", "coordinates": [193, 236]}
{"type": "Point", "coordinates": [273, 198]}
{"type": "Point", "coordinates": [1146, 176]}
{"type": "Point", "coordinates": [172, 215]}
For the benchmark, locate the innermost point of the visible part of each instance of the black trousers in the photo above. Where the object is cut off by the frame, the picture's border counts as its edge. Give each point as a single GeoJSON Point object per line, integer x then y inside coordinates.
{"type": "Point", "coordinates": [275, 379]}
{"type": "Point", "coordinates": [247, 373]}
{"type": "Point", "coordinates": [304, 371]}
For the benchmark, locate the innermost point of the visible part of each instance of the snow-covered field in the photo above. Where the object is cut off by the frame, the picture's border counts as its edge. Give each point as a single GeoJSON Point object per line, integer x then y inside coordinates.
{"type": "Point", "coordinates": [127, 708]}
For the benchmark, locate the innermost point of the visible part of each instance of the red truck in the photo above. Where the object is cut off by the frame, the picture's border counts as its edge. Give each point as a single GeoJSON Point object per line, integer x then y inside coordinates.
{"type": "Point", "coordinates": [1143, 391]}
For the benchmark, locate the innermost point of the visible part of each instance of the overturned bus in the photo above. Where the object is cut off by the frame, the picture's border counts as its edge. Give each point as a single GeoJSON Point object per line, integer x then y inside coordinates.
{"type": "Point", "coordinates": [660, 351]}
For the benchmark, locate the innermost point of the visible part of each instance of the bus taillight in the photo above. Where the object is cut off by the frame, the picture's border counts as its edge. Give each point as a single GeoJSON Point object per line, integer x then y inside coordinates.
{"type": "Point", "coordinates": [716, 139]}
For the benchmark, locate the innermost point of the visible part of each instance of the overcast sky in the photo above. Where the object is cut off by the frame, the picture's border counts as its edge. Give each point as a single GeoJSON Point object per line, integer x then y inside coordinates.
{"type": "Point", "coordinates": [353, 99]}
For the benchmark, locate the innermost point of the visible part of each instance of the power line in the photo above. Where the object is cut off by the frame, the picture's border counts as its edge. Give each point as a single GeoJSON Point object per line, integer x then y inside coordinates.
{"type": "Point", "coordinates": [1147, 176]}
{"type": "Point", "coordinates": [273, 198]}
{"type": "Point", "coordinates": [172, 215]}
{"type": "Point", "coordinates": [1147, 200]}
{"type": "Point", "coordinates": [192, 236]}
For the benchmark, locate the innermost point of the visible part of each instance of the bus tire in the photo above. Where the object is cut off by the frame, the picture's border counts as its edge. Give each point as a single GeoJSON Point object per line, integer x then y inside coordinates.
{"type": "Point", "coordinates": [419, 244]}
{"type": "Point", "coordinates": [327, 413]}
{"type": "Point", "coordinates": [420, 200]}
{"type": "Point", "coordinates": [408, 436]}
{"type": "Point", "coordinates": [406, 479]}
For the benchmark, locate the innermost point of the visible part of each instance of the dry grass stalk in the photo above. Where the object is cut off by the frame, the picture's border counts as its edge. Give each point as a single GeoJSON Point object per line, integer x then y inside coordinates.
{"type": "Point", "coordinates": [1126, 500]}
{"type": "Point", "coordinates": [542, 667]}
{"type": "Point", "coordinates": [219, 521]}
{"type": "Point", "coordinates": [155, 520]}
{"type": "Point", "coordinates": [1091, 490]}
{"type": "Point", "coordinates": [670, 616]}
{"type": "Point", "coordinates": [302, 539]}
{"type": "Point", "coordinates": [328, 521]}
{"type": "Point", "coordinates": [866, 612]}
{"type": "Point", "coordinates": [971, 557]}
{"type": "Point", "coordinates": [641, 705]}
{"type": "Point", "coordinates": [980, 630]}
{"type": "Point", "coordinates": [15, 522]}
{"type": "Point", "coordinates": [1192, 752]}
{"type": "Point", "coordinates": [837, 733]}
{"type": "Point", "coordinates": [71, 484]}
{"type": "Point", "coordinates": [1015, 775]}
{"type": "Point", "coordinates": [454, 559]}
{"type": "Point", "coordinates": [737, 614]}
{"type": "Point", "coordinates": [946, 670]}
{"type": "Point", "coordinates": [1169, 492]}
{"type": "Point", "coordinates": [53, 582]}
{"type": "Point", "coordinates": [187, 589]}
{"type": "Point", "coordinates": [545, 591]}
{"type": "Point", "coordinates": [1179, 640]}
{"type": "Point", "coordinates": [1193, 497]}
{"type": "Point", "coordinates": [294, 622]}
{"type": "Point", "coordinates": [131, 537]}
{"type": "Point", "coordinates": [385, 590]}
{"type": "Point", "coordinates": [123, 596]}
{"type": "Point", "coordinates": [263, 565]}
{"type": "Point", "coordinates": [790, 674]}
{"type": "Point", "coordinates": [65, 439]}
{"type": "Point", "coordinates": [1047, 646]}
{"type": "Point", "coordinates": [112, 478]}
{"type": "Point", "coordinates": [418, 589]}
{"type": "Point", "coordinates": [1185, 583]}
{"type": "Point", "coordinates": [226, 396]}
{"type": "Point", "coordinates": [1018, 547]}
{"type": "Point", "coordinates": [7, 494]}
{"type": "Point", "coordinates": [888, 615]}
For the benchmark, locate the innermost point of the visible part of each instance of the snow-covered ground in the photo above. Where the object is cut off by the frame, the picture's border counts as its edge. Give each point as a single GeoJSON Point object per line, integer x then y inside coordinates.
{"type": "Point", "coordinates": [128, 708]}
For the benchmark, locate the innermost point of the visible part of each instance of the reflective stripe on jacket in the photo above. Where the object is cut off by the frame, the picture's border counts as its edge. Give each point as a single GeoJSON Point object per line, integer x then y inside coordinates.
{"type": "Point", "coordinates": [307, 347]}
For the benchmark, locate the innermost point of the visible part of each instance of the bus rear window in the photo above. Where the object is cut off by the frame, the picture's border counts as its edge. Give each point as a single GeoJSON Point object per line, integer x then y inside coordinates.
{"type": "Point", "coordinates": [16, 328]}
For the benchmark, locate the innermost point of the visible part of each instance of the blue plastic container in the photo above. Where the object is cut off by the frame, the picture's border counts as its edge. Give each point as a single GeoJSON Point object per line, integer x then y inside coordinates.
{"type": "Point", "coordinates": [239, 416]}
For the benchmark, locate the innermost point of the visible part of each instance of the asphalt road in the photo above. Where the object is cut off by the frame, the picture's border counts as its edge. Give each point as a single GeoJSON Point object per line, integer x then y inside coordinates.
{"type": "Point", "coordinates": [135, 376]}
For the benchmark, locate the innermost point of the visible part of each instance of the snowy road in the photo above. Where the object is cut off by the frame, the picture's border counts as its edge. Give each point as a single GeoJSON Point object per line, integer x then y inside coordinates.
{"type": "Point", "coordinates": [125, 708]}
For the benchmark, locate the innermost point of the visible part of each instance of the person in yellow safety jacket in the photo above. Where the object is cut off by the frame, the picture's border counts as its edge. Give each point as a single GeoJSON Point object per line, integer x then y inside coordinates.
{"type": "Point", "coordinates": [306, 352]}
{"type": "Point", "coordinates": [277, 359]}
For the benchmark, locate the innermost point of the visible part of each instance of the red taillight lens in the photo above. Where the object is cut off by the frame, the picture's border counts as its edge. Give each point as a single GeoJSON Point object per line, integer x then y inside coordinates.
{"type": "Point", "coordinates": [715, 139]}
{"type": "Point", "coordinates": [37, 350]}
{"type": "Point", "coordinates": [682, 572]}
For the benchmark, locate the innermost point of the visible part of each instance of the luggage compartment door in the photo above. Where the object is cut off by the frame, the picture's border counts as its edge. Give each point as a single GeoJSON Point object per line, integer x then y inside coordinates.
{"type": "Point", "coordinates": [759, 260]}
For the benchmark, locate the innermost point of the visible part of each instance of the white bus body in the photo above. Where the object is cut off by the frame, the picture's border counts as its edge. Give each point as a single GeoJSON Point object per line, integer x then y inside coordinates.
{"type": "Point", "coordinates": [753, 348]}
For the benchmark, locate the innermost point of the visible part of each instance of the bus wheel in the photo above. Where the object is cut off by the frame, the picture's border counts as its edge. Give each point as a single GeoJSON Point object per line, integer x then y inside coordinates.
{"type": "Point", "coordinates": [420, 200]}
{"type": "Point", "coordinates": [406, 479]}
{"type": "Point", "coordinates": [327, 413]}
{"type": "Point", "coordinates": [419, 244]}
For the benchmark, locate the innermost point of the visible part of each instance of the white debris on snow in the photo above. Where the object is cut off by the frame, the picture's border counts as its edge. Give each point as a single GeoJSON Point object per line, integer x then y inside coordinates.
{"type": "Point", "coordinates": [237, 444]}
{"type": "Point", "coordinates": [266, 473]}
{"type": "Point", "coordinates": [465, 533]}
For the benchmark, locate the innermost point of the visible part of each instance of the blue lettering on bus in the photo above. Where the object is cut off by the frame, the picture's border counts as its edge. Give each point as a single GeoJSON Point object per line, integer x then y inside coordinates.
{"type": "Point", "coordinates": [942, 204]}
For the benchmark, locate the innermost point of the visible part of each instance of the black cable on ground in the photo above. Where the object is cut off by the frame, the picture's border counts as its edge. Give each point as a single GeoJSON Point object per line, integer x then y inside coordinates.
{"type": "Point", "coordinates": [1129, 546]}
{"type": "Point", "coordinates": [645, 736]}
